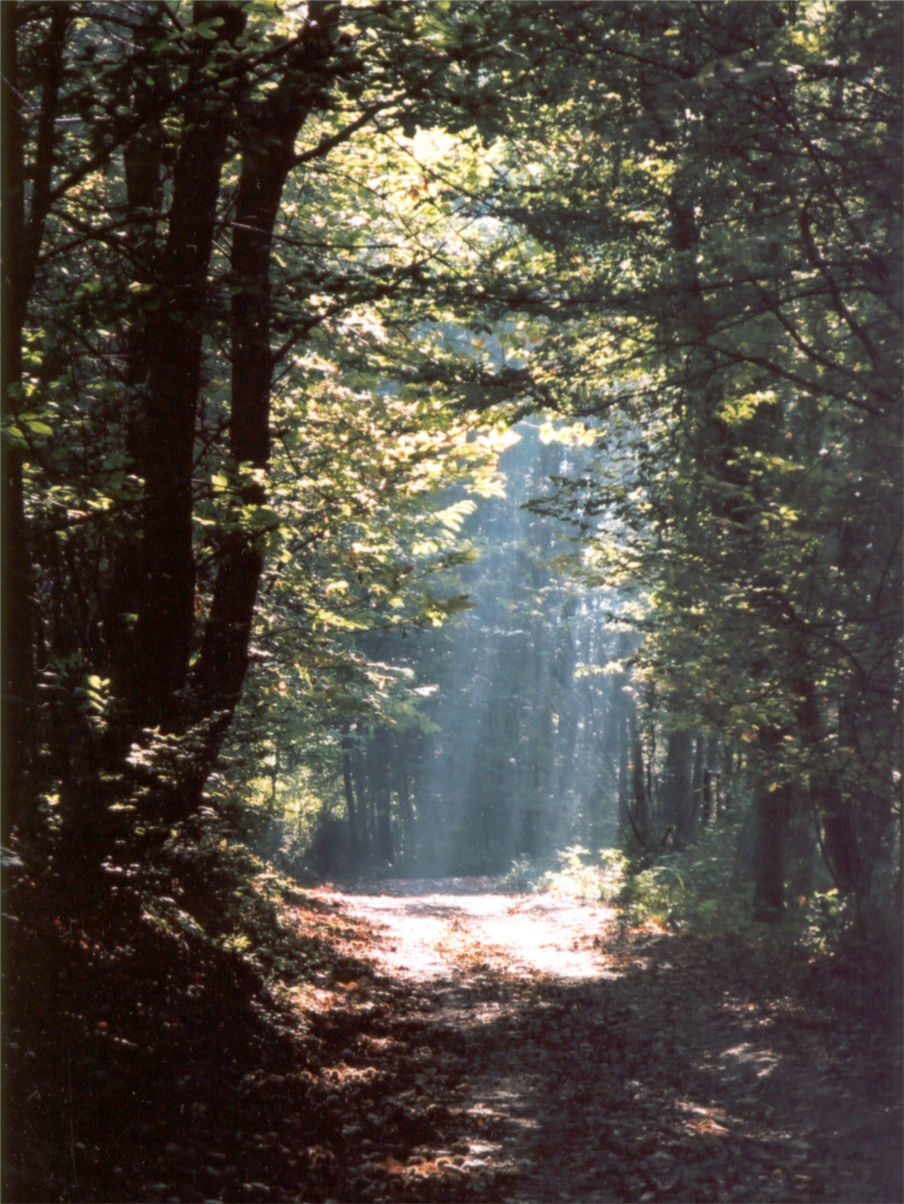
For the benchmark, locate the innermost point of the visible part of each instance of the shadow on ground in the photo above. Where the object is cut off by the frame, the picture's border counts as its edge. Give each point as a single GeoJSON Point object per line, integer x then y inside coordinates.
{"type": "Point", "coordinates": [139, 1068]}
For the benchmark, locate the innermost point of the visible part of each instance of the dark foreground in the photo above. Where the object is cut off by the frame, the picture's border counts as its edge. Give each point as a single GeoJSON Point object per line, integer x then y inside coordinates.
{"type": "Point", "coordinates": [451, 1044]}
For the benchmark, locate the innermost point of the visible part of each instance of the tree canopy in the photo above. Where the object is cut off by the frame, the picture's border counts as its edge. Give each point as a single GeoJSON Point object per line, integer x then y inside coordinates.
{"type": "Point", "coordinates": [278, 278]}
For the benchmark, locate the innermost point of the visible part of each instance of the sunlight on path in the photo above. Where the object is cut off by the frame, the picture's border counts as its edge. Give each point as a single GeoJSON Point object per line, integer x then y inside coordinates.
{"type": "Point", "coordinates": [445, 931]}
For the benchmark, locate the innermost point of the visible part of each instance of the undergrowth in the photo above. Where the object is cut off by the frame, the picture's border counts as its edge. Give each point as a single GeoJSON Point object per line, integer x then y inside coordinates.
{"type": "Point", "coordinates": [704, 889]}
{"type": "Point", "coordinates": [232, 898]}
{"type": "Point", "coordinates": [147, 999]}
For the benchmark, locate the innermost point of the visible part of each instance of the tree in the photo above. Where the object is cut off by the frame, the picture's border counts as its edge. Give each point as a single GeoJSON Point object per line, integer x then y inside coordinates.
{"type": "Point", "coordinates": [733, 188]}
{"type": "Point", "coordinates": [672, 222]}
{"type": "Point", "coordinates": [168, 165]}
{"type": "Point", "coordinates": [23, 228]}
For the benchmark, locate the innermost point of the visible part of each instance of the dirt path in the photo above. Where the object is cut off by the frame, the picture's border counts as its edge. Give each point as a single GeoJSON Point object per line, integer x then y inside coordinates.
{"type": "Point", "coordinates": [448, 928]}
{"type": "Point", "coordinates": [443, 1041]}
{"type": "Point", "coordinates": [524, 1048]}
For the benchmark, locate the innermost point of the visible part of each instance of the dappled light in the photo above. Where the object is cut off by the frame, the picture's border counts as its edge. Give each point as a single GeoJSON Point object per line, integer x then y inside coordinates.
{"type": "Point", "coordinates": [452, 498]}
{"type": "Point", "coordinates": [652, 1066]}
{"type": "Point", "coordinates": [439, 934]}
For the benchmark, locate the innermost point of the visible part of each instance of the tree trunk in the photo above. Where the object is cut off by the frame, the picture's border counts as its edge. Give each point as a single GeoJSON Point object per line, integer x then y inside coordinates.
{"type": "Point", "coordinates": [22, 235]}
{"type": "Point", "coordinates": [770, 803]}
{"type": "Point", "coordinates": [698, 789]}
{"type": "Point", "coordinates": [174, 334]}
{"type": "Point", "coordinates": [362, 793]}
{"type": "Point", "coordinates": [354, 828]}
{"type": "Point", "coordinates": [406, 809]}
{"type": "Point", "coordinates": [268, 155]}
{"type": "Point", "coordinates": [640, 805]}
{"type": "Point", "coordinates": [624, 774]}
{"type": "Point", "coordinates": [769, 855]}
{"type": "Point", "coordinates": [677, 787]}
{"type": "Point", "coordinates": [709, 785]}
{"type": "Point", "coordinates": [381, 795]}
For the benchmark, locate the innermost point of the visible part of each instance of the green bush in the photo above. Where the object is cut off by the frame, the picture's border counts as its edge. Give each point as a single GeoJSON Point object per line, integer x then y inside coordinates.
{"type": "Point", "coordinates": [587, 875]}
{"type": "Point", "coordinates": [576, 871]}
{"type": "Point", "coordinates": [522, 875]}
{"type": "Point", "coordinates": [696, 888]}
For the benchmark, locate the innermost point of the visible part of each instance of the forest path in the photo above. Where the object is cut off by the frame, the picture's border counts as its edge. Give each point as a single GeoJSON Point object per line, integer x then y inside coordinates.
{"type": "Point", "coordinates": [526, 1048]}
{"type": "Point", "coordinates": [453, 928]}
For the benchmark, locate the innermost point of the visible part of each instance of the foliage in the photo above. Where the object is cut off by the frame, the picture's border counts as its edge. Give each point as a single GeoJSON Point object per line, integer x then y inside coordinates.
{"type": "Point", "coordinates": [280, 282]}
{"type": "Point", "coordinates": [218, 294]}
{"type": "Point", "coordinates": [722, 312]}
{"type": "Point", "coordinates": [589, 875]}
{"type": "Point", "coordinates": [281, 278]}
{"type": "Point", "coordinates": [695, 890]}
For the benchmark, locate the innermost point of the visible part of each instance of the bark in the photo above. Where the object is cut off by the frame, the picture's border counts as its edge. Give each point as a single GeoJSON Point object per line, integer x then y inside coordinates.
{"type": "Point", "coordinates": [351, 807]}
{"type": "Point", "coordinates": [143, 172]}
{"type": "Point", "coordinates": [770, 804]}
{"type": "Point", "coordinates": [268, 133]}
{"type": "Point", "coordinates": [769, 855]}
{"type": "Point", "coordinates": [677, 787]}
{"type": "Point", "coordinates": [406, 808]}
{"type": "Point", "coordinates": [707, 809]}
{"type": "Point", "coordinates": [732, 766]}
{"type": "Point", "coordinates": [360, 784]}
{"type": "Point", "coordinates": [640, 808]}
{"type": "Point", "coordinates": [841, 835]}
{"type": "Point", "coordinates": [22, 236]}
{"type": "Point", "coordinates": [380, 792]}
{"type": "Point", "coordinates": [801, 846]}
{"type": "Point", "coordinates": [698, 787]}
{"type": "Point", "coordinates": [841, 845]}
{"type": "Point", "coordinates": [624, 774]}
{"type": "Point", "coordinates": [174, 350]}
{"type": "Point", "coordinates": [710, 782]}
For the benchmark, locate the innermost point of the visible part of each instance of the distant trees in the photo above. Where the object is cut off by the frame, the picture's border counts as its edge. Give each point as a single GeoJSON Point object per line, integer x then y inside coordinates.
{"type": "Point", "coordinates": [516, 728]}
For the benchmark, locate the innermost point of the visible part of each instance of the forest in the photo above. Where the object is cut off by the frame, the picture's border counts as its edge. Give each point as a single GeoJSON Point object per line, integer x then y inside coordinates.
{"type": "Point", "coordinates": [452, 600]}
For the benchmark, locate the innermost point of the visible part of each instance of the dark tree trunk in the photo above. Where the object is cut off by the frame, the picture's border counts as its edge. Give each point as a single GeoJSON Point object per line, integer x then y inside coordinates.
{"type": "Point", "coordinates": [143, 172]}
{"type": "Point", "coordinates": [22, 235]}
{"type": "Point", "coordinates": [677, 787]}
{"type": "Point", "coordinates": [351, 808]}
{"type": "Point", "coordinates": [624, 774]}
{"type": "Point", "coordinates": [406, 809]}
{"type": "Point", "coordinates": [770, 803]}
{"type": "Point", "coordinates": [381, 795]}
{"type": "Point", "coordinates": [268, 155]}
{"type": "Point", "coordinates": [223, 662]}
{"type": "Point", "coordinates": [732, 765]}
{"type": "Point", "coordinates": [361, 787]}
{"type": "Point", "coordinates": [709, 801]}
{"type": "Point", "coordinates": [698, 789]}
{"type": "Point", "coordinates": [640, 804]}
{"type": "Point", "coordinates": [801, 847]}
{"type": "Point", "coordinates": [841, 845]}
{"type": "Point", "coordinates": [841, 835]}
{"type": "Point", "coordinates": [707, 809]}
{"type": "Point", "coordinates": [769, 854]}
{"type": "Point", "coordinates": [174, 350]}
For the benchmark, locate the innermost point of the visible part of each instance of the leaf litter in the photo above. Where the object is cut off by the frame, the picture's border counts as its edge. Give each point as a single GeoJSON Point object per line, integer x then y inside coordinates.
{"type": "Point", "coordinates": [450, 1042]}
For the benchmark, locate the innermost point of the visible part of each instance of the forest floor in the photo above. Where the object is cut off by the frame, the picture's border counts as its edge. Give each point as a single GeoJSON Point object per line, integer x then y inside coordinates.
{"type": "Point", "coordinates": [455, 1042]}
